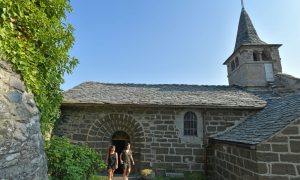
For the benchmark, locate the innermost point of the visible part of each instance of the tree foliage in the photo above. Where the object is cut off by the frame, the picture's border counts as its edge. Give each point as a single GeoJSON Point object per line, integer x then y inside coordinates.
{"type": "Point", "coordinates": [35, 38]}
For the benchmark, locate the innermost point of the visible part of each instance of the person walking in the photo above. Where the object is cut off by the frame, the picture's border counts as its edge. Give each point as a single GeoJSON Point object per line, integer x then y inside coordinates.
{"type": "Point", "coordinates": [127, 161]}
{"type": "Point", "coordinates": [112, 161]}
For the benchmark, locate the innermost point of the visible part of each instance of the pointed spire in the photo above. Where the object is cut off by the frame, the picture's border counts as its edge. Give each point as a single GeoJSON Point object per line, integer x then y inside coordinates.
{"type": "Point", "coordinates": [246, 34]}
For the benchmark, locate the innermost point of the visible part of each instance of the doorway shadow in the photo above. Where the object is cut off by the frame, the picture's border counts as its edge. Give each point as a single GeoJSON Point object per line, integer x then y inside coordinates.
{"type": "Point", "coordinates": [119, 140]}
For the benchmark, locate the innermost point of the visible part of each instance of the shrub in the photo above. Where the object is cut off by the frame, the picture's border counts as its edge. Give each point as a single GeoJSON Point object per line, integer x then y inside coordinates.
{"type": "Point", "coordinates": [146, 172]}
{"type": "Point", "coordinates": [68, 161]}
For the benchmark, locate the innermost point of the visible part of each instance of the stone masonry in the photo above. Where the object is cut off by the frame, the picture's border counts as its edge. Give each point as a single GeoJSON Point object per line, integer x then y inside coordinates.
{"type": "Point", "coordinates": [155, 133]}
{"type": "Point", "coordinates": [22, 153]}
{"type": "Point", "coordinates": [279, 157]}
{"type": "Point", "coordinates": [233, 162]}
{"type": "Point", "coordinates": [286, 84]}
{"type": "Point", "coordinates": [276, 158]}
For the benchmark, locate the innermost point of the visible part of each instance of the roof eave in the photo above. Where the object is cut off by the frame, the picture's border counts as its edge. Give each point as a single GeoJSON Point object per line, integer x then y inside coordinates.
{"type": "Point", "coordinates": [249, 45]}
{"type": "Point", "coordinates": [80, 104]}
{"type": "Point", "coordinates": [240, 144]}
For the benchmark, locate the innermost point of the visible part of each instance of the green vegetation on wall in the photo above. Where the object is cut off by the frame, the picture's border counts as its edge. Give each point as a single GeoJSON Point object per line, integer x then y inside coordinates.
{"type": "Point", "coordinates": [35, 39]}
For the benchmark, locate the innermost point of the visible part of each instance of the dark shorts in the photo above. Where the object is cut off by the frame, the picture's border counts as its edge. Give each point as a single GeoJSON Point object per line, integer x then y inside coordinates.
{"type": "Point", "coordinates": [126, 166]}
{"type": "Point", "coordinates": [111, 167]}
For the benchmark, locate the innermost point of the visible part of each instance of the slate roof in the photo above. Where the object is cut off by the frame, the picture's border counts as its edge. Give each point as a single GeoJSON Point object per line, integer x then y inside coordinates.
{"type": "Point", "coordinates": [246, 34]}
{"type": "Point", "coordinates": [164, 94]}
{"type": "Point", "coordinates": [278, 113]}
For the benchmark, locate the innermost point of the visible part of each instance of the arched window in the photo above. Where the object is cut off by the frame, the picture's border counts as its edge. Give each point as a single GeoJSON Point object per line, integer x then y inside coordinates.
{"type": "Point", "coordinates": [266, 56]}
{"type": "Point", "coordinates": [256, 56]}
{"type": "Point", "coordinates": [190, 124]}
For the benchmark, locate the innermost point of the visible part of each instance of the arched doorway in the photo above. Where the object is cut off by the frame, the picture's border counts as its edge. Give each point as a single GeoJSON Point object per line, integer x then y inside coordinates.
{"type": "Point", "coordinates": [120, 139]}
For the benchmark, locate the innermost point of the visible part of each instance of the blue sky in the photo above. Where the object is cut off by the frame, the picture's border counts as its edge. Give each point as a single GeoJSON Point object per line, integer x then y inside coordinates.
{"type": "Point", "coordinates": [173, 41]}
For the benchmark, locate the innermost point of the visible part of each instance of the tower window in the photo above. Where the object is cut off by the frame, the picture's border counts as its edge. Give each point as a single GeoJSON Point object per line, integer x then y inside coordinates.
{"type": "Point", "coordinates": [190, 124]}
{"type": "Point", "coordinates": [266, 55]}
{"type": "Point", "coordinates": [232, 65]}
{"type": "Point", "coordinates": [237, 62]}
{"type": "Point", "coordinates": [256, 56]}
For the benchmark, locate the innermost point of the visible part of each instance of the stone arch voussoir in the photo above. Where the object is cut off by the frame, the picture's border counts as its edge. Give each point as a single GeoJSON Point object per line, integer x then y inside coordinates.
{"type": "Point", "coordinates": [102, 130]}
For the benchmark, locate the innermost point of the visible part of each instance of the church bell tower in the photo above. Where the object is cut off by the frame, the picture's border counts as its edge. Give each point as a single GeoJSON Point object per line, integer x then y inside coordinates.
{"type": "Point", "coordinates": [253, 62]}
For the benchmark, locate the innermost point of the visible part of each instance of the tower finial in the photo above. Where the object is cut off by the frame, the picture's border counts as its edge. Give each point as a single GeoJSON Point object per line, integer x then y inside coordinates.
{"type": "Point", "coordinates": [242, 2]}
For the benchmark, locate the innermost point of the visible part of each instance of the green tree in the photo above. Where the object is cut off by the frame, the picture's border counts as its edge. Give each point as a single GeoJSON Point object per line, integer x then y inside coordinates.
{"type": "Point", "coordinates": [35, 38]}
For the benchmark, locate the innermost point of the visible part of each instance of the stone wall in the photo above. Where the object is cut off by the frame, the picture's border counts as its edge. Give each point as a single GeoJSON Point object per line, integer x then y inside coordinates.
{"type": "Point", "coordinates": [279, 157]}
{"type": "Point", "coordinates": [217, 121]}
{"type": "Point", "coordinates": [286, 84]}
{"type": "Point", "coordinates": [21, 145]}
{"type": "Point", "coordinates": [157, 140]}
{"type": "Point", "coordinates": [234, 162]}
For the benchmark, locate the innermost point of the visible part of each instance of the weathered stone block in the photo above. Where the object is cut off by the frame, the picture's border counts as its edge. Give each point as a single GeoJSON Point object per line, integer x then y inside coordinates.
{"type": "Point", "coordinates": [161, 140]}
{"type": "Point", "coordinates": [221, 128]}
{"type": "Point", "coordinates": [196, 167]}
{"type": "Point", "coordinates": [165, 166]}
{"type": "Point", "coordinates": [198, 152]}
{"type": "Point", "coordinates": [294, 138]}
{"type": "Point", "coordinates": [245, 153]}
{"type": "Point", "coordinates": [160, 158]}
{"type": "Point", "coordinates": [162, 150]}
{"type": "Point", "coordinates": [232, 159]}
{"type": "Point", "coordinates": [14, 96]}
{"type": "Point", "coordinates": [295, 178]}
{"type": "Point", "coordinates": [181, 166]}
{"type": "Point", "coordinates": [162, 127]}
{"type": "Point", "coordinates": [173, 140]}
{"type": "Point", "coordinates": [264, 147]}
{"type": "Point", "coordinates": [280, 139]}
{"type": "Point", "coordinates": [283, 169]}
{"type": "Point", "coordinates": [267, 157]}
{"type": "Point", "coordinates": [272, 177]}
{"type": "Point", "coordinates": [292, 130]}
{"type": "Point", "coordinates": [235, 151]}
{"type": "Point", "coordinates": [183, 151]}
{"type": "Point", "coordinates": [17, 84]}
{"type": "Point", "coordinates": [165, 144]}
{"type": "Point", "coordinates": [79, 137]}
{"type": "Point", "coordinates": [240, 162]}
{"type": "Point", "coordinates": [295, 146]}
{"type": "Point", "coordinates": [250, 165]}
{"type": "Point", "coordinates": [237, 170]}
{"type": "Point", "coordinates": [211, 128]}
{"type": "Point", "coordinates": [177, 145]}
{"type": "Point", "coordinates": [225, 173]}
{"type": "Point", "coordinates": [262, 168]}
{"type": "Point", "coordinates": [292, 158]}
{"type": "Point", "coordinates": [280, 147]}
{"type": "Point", "coordinates": [173, 159]}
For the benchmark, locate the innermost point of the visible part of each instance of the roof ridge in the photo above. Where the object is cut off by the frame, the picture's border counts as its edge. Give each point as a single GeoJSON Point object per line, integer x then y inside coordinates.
{"type": "Point", "coordinates": [145, 84]}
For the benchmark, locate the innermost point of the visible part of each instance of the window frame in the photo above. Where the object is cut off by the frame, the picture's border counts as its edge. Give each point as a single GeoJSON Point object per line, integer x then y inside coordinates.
{"type": "Point", "coordinates": [190, 124]}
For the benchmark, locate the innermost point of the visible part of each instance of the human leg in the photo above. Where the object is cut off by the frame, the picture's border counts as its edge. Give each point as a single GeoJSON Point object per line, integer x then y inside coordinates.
{"type": "Point", "coordinates": [128, 172]}
{"type": "Point", "coordinates": [125, 174]}
{"type": "Point", "coordinates": [109, 172]}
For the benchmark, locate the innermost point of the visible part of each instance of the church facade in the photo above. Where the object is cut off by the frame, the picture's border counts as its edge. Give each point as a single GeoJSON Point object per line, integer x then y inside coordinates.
{"type": "Point", "coordinates": [247, 130]}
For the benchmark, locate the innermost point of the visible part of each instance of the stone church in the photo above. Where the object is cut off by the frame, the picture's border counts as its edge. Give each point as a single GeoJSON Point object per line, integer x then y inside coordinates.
{"type": "Point", "coordinates": [247, 130]}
